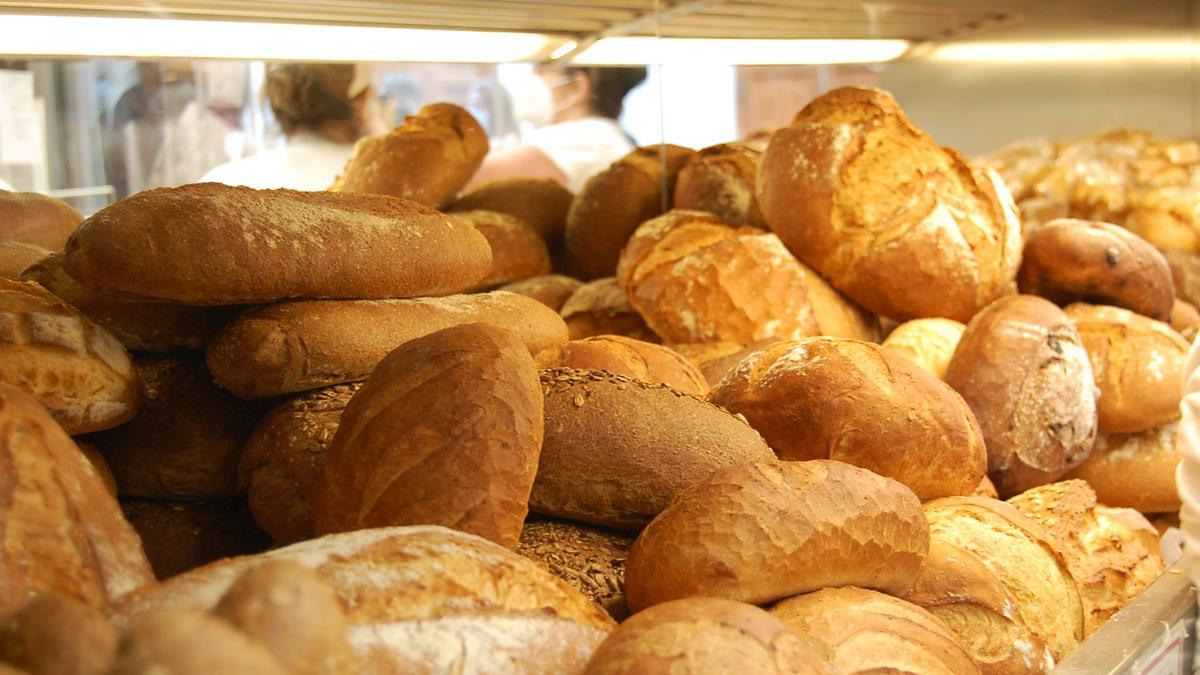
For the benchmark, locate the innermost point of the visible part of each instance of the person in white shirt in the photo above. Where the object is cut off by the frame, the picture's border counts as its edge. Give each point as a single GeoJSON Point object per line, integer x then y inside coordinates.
{"type": "Point", "coordinates": [583, 137]}
{"type": "Point", "coordinates": [322, 110]}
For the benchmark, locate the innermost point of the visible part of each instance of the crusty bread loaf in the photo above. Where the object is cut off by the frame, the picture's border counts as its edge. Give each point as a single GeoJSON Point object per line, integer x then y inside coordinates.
{"type": "Point", "coordinates": [929, 343]}
{"type": "Point", "coordinates": [1135, 471]}
{"type": "Point", "coordinates": [868, 632]}
{"type": "Point", "coordinates": [1022, 368]}
{"type": "Point", "coordinates": [186, 442]}
{"type": "Point", "coordinates": [600, 307]}
{"type": "Point", "coordinates": [282, 462]}
{"type": "Point", "coordinates": [428, 159]}
{"type": "Point", "coordinates": [857, 402]}
{"type": "Point", "coordinates": [618, 450]}
{"type": "Point", "coordinates": [15, 256]}
{"type": "Point", "coordinates": [74, 368]}
{"type": "Point", "coordinates": [552, 290]}
{"type": "Point", "coordinates": [188, 642]}
{"type": "Point", "coordinates": [1185, 319]}
{"type": "Point", "coordinates": [1111, 553]}
{"type": "Point", "coordinates": [61, 531]}
{"type": "Point", "coordinates": [614, 202]}
{"type": "Point", "coordinates": [140, 326]}
{"type": "Point", "coordinates": [467, 462]}
{"type": "Point", "coordinates": [631, 358]}
{"type": "Point", "coordinates": [1137, 363]}
{"type": "Point", "coordinates": [1019, 553]}
{"type": "Point", "coordinates": [211, 244]}
{"type": "Point", "coordinates": [705, 635]}
{"type": "Point", "coordinates": [768, 530]}
{"type": "Point", "coordinates": [1165, 217]}
{"type": "Point", "coordinates": [540, 203]}
{"type": "Point", "coordinates": [854, 189]}
{"type": "Point", "coordinates": [36, 219]}
{"type": "Point", "coordinates": [296, 346]}
{"type": "Point", "coordinates": [58, 635]}
{"type": "Point", "coordinates": [591, 560]}
{"type": "Point", "coordinates": [1068, 260]}
{"type": "Point", "coordinates": [100, 465]}
{"type": "Point", "coordinates": [695, 279]}
{"type": "Point", "coordinates": [518, 251]}
{"type": "Point", "coordinates": [181, 536]}
{"type": "Point", "coordinates": [721, 179]}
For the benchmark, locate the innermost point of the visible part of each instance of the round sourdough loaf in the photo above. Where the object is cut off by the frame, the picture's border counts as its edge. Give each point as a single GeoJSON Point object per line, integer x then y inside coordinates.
{"type": "Point", "coordinates": [601, 307]}
{"type": "Point", "coordinates": [854, 189]}
{"type": "Point", "coordinates": [763, 531]}
{"type": "Point", "coordinates": [552, 290]}
{"type": "Point", "coordinates": [180, 536]}
{"type": "Point", "coordinates": [76, 369]}
{"type": "Point", "coordinates": [15, 256]}
{"type": "Point", "coordinates": [705, 635]}
{"type": "Point", "coordinates": [721, 180]}
{"type": "Point", "coordinates": [618, 450]}
{"type": "Point", "coordinates": [518, 251]}
{"type": "Point", "coordinates": [540, 203]}
{"type": "Point", "coordinates": [1136, 471]}
{"type": "Point", "coordinates": [1022, 368]}
{"type": "Point", "coordinates": [57, 635]}
{"type": "Point", "coordinates": [869, 632]}
{"type": "Point", "coordinates": [631, 358]}
{"type": "Point", "coordinates": [591, 560]}
{"type": "Point", "coordinates": [446, 431]}
{"type": "Point", "coordinates": [1137, 363]}
{"type": "Point", "coordinates": [857, 402]}
{"type": "Point", "coordinates": [187, 642]}
{"type": "Point", "coordinates": [1068, 260]}
{"type": "Point", "coordinates": [33, 218]}
{"type": "Point", "coordinates": [929, 343]}
{"type": "Point", "coordinates": [695, 279]}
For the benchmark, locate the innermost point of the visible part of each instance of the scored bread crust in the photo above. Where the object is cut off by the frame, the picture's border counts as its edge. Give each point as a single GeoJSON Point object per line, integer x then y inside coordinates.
{"type": "Point", "coordinates": [720, 180]}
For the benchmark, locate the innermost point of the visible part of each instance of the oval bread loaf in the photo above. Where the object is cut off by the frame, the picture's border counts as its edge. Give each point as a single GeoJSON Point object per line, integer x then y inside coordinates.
{"type": "Point", "coordinates": [631, 358]}
{"type": "Point", "coordinates": [552, 290]}
{"type": "Point", "coordinates": [1135, 471]}
{"type": "Point", "coordinates": [929, 343]}
{"type": "Point", "coordinates": [518, 251]}
{"type": "Point", "coordinates": [721, 180]}
{"type": "Point", "coordinates": [540, 203]}
{"type": "Point", "coordinates": [33, 218]}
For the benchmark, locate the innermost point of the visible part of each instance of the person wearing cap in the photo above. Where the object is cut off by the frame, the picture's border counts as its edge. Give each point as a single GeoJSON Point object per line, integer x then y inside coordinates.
{"type": "Point", "coordinates": [322, 109]}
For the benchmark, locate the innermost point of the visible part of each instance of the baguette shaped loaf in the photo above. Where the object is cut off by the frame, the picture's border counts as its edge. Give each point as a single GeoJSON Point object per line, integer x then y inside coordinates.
{"type": "Point", "coordinates": [467, 463]}
{"type": "Point", "coordinates": [211, 244]}
{"type": "Point", "coordinates": [74, 368]}
{"type": "Point", "coordinates": [61, 530]}
{"type": "Point", "coordinates": [306, 344]}
{"type": "Point", "coordinates": [36, 219]}
{"type": "Point", "coordinates": [721, 180]}
{"type": "Point", "coordinates": [540, 203]}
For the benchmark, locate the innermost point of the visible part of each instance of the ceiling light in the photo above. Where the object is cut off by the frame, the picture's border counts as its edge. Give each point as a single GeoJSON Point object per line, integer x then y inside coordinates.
{"type": "Point", "coordinates": [1181, 50]}
{"type": "Point", "coordinates": [648, 51]}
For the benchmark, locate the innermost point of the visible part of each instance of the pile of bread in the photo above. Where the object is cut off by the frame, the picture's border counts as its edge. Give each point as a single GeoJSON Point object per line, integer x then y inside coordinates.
{"type": "Point", "coordinates": [368, 431]}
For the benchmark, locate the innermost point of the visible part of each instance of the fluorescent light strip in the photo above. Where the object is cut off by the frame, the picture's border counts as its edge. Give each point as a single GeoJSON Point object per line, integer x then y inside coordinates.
{"type": "Point", "coordinates": [648, 51]}
{"type": "Point", "coordinates": [1165, 50]}
{"type": "Point", "coordinates": [181, 38]}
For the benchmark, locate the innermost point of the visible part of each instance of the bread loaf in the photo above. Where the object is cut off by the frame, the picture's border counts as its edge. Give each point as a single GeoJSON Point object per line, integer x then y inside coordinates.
{"type": "Point", "coordinates": [986, 489]}
{"type": "Point", "coordinates": [140, 326]}
{"type": "Point", "coordinates": [631, 358]}
{"type": "Point", "coordinates": [929, 343]}
{"type": "Point", "coordinates": [600, 307]}
{"type": "Point", "coordinates": [1164, 216]}
{"type": "Point", "coordinates": [62, 531]}
{"type": "Point", "coordinates": [617, 450]}
{"type": "Point", "coordinates": [552, 290]}
{"type": "Point", "coordinates": [540, 203]}
{"type": "Point", "coordinates": [186, 441]}
{"type": "Point", "coordinates": [36, 219]}
{"type": "Point", "coordinates": [467, 463]}
{"type": "Point", "coordinates": [763, 531]}
{"type": "Point", "coordinates": [705, 635]}
{"type": "Point", "coordinates": [1185, 319]}
{"type": "Point", "coordinates": [591, 560]}
{"type": "Point", "coordinates": [614, 202]}
{"type": "Point", "coordinates": [695, 279]}
{"type": "Point", "coordinates": [518, 251]}
{"type": "Point", "coordinates": [1135, 471]}
{"type": "Point", "coordinates": [428, 159]}
{"type": "Point", "coordinates": [57, 635]}
{"type": "Point", "coordinates": [717, 358]}
{"type": "Point", "coordinates": [282, 462]}
{"type": "Point", "coordinates": [867, 632]}
{"type": "Point", "coordinates": [854, 189]}
{"type": "Point", "coordinates": [301, 345]}
{"type": "Point", "coordinates": [1111, 553]}
{"type": "Point", "coordinates": [100, 465]}
{"type": "Point", "coordinates": [1022, 368]}
{"type": "Point", "coordinates": [74, 368]}
{"type": "Point", "coordinates": [1137, 363]}
{"type": "Point", "coordinates": [1069, 260]}
{"type": "Point", "coordinates": [187, 642]}
{"type": "Point", "coordinates": [721, 180]}
{"type": "Point", "coordinates": [180, 536]}
{"type": "Point", "coordinates": [857, 402]}
{"type": "Point", "coordinates": [211, 244]}
{"type": "Point", "coordinates": [15, 256]}
{"type": "Point", "coordinates": [1185, 274]}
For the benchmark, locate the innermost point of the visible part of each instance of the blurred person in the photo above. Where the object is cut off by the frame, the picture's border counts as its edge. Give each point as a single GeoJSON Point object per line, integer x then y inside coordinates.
{"type": "Point", "coordinates": [576, 134]}
{"type": "Point", "coordinates": [140, 122]}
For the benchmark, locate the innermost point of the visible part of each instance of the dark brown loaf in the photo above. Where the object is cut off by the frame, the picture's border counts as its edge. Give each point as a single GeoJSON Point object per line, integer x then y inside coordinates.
{"type": "Point", "coordinates": [1135, 471]}
{"type": "Point", "coordinates": [211, 244]}
{"type": "Point", "coordinates": [721, 180]}
{"type": "Point", "coordinates": [617, 450]}
{"type": "Point", "coordinates": [187, 642]}
{"type": "Point", "coordinates": [36, 219]}
{"type": "Point", "coordinates": [57, 635]}
{"type": "Point", "coordinates": [518, 252]}
{"type": "Point", "coordinates": [181, 536]}
{"type": "Point", "coordinates": [74, 368]}
{"type": "Point", "coordinates": [301, 345]}
{"type": "Point", "coordinates": [857, 402]}
{"type": "Point", "coordinates": [600, 307]}
{"type": "Point", "coordinates": [15, 256]}
{"type": "Point", "coordinates": [552, 290]}
{"type": "Point", "coordinates": [763, 531]}
{"type": "Point", "coordinates": [467, 463]}
{"type": "Point", "coordinates": [428, 159]}
{"type": "Point", "coordinates": [540, 203]}
{"type": "Point", "coordinates": [591, 560]}
{"type": "Point", "coordinates": [1022, 368]}
{"type": "Point", "coordinates": [62, 531]}
{"type": "Point", "coordinates": [631, 358]}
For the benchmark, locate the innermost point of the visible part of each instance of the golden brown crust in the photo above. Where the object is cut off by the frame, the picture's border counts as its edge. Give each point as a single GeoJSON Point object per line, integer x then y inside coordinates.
{"type": "Point", "coordinates": [60, 530]}
{"type": "Point", "coordinates": [1185, 273]}
{"type": "Point", "coordinates": [715, 359]}
{"type": "Point", "coordinates": [57, 635]}
{"type": "Point", "coordinates": [552, 290]}
{"type": "Point", "coordinates": [187, 642]}
{"type": "Point", "coordinates": [428, 159]}
{"type": "Point", "coordinates": [181, 536]}
{"type": "Point", "coordinates": [720, 180]}
{"type": "Point", "coordinates": [468, 463]}
{"type": "Point", "coordinates": [15, 256]}
{"type": "Point", "coordinates": [768, 530]}
{"type": "Point", "coordinates": [591, 560]}
{"type": "Point", "coordinates": [1134, 471]}
{"type": "Point", "coordinates": [1022, 368]}
{"type": "Point", "coordinates": [518, 252]}
{"type": "Point", "coordinates": [618, 450]}
{"type": "Point", "coordinates": [73, 367]}
{"type": "Point", "coordinates": [36, 219]}
{"type": "Point", "coordinates": [856, 402]}
{"type": "Point", "coordinates": [211, 244]}
{"type": "Point", "coordinates": [1167, 217]}
{"type": "Point", "coordinates": [540, 203]}
{"type": "Point", "coordinates": [1185, 319]}
{"type": "Point", "coordinates": [929, 343]}
{"type": "Point", "coordinates": [631, 358]}
{"type": "Point", "coordinates": [601, 307]}
{"type": "Point", "coordinates": [99, 464]}
{"type": "Point", "coordinates": [306, 344]}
